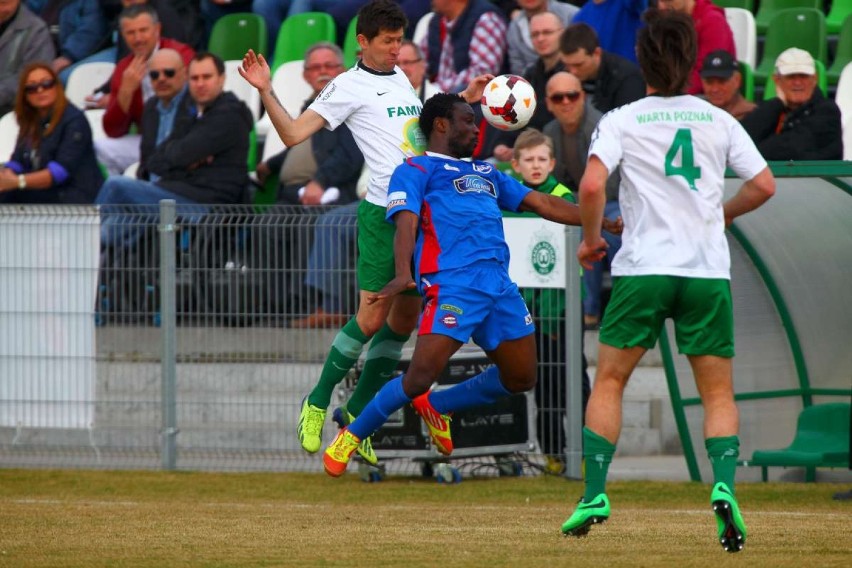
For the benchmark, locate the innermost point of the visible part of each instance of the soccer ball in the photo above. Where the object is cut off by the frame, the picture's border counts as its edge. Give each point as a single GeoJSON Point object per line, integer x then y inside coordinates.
{"type": "Point", "coordinates": [508, 102]}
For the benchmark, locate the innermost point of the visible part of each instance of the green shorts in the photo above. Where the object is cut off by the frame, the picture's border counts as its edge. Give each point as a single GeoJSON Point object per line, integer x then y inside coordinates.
{"type": "Point", "coordinates": [375, 249]}
{"type": "Point", "coordinates": [701, 308]}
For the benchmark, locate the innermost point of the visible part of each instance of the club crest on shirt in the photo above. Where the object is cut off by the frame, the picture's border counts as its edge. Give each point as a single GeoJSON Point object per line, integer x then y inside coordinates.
{"type": "Point", "coordinates": [482, 168]}
{"type": "Point", "coordinates": [472, 183]}
{"type": "Point", "coordinates": [449, 320]}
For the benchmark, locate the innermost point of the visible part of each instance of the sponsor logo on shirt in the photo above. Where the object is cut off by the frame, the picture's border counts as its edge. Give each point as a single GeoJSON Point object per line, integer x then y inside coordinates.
{"type": "Point", "coordinates": [472, 183]}
{"type": "Point", "coordinates": [326, 92]}
{"type": "Point", "coordinates": [452, 308]}
{"type": "Point", "coordinates": [396, 199]}
{"type": "Point", "coordinates": [412, 110]}
{"type": "Point", "coordinates": [482, 168]}
{"type": "Point", "coordinates": [450, 321]}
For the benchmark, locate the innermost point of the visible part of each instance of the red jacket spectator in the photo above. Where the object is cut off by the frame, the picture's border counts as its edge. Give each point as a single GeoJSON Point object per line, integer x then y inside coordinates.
{"type": "Point", "coordinates": [713, 33]}
{"type": "Point", "coordinates": [116, 122]}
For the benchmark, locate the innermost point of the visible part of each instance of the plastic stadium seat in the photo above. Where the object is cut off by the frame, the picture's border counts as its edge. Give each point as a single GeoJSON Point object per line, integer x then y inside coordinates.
{"type": "Point", "coordinates": [292, 91]}
{"type": "Point", "coordinates": [234, 34]}
{"type": "Point", "coordinates": [843, 52]}
{"type": "Point", "coordinates": [95, 117]}
{"type": "Point", "coordinates": [769, 8]}
{"type": "Point", "coordinates": [843, 98]}
{"type": "Point", "coordinates": [803, 28]}
{"type": "Point", "coordinates": [822, 82]}
{"type": "Point", "coordinates": [8, 135]}
{"type": "Point", "coordinates": [422, 28]}
{"type": "Point", "coordinates": [241, 88]}
{"type": "Point", "coordinates": [741, 22]}
{"type": "Point", "coordinates": [85, 78]}
{"type": "Point", "coordinates": [744, 4]}
{"type": "Point", "coordinates": [747, 86]}
{"type": "Point", "coordinates": [351, 49]}
{"type": "Point", "coordinates": [840, 9]}
{"type": "Point", "coordinates": [300, 31]}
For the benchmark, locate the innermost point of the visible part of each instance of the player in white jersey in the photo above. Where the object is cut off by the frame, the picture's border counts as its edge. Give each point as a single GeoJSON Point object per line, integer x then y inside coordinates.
{"type": "Point", "coordinates": [379, 105]}
{"type": "Point", "coordinates": [674, 261]}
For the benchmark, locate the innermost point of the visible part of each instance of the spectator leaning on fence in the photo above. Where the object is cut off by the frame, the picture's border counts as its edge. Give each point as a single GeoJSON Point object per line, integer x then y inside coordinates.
{"type": "Point", "coordinates": [800, 123]}
{"type": "Point", "coordinates": [203, 161]}
{"type": "Point", "coordinates": [24, 38]}
{"type": "Point", "coordinates": [54, 160]}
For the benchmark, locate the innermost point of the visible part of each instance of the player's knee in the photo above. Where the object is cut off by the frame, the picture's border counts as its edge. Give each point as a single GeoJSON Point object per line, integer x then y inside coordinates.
{"type": "Point", "coordinates": [416, 383]}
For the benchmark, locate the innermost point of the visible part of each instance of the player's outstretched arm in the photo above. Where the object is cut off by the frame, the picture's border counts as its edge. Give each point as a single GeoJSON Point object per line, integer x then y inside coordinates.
{"type": "Point", "coordinates": [754, 193]}
{"type": "Point", "coordinates": [551, 208]}
{"type": "Point", "coordinates": [403, 250]}
{"type": "Point", "coordinates": [256, 71]}
{"type": "Point", "coordinates": [473, 93]}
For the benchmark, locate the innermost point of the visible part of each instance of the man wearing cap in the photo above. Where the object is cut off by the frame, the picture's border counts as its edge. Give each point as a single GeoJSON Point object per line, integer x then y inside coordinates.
{"type": "Point", "coordinates": [800, 123]}
{"type": "Point", "coordinates": [720, 76]}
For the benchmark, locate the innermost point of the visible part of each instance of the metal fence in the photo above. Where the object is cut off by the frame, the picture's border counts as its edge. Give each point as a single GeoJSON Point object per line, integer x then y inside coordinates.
{"type": "Point", "coordinates": [177, 337]}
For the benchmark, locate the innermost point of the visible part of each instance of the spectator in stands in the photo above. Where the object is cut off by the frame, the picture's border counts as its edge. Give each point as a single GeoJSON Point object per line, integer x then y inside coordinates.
{"type": "Point", "coordinates": [203, 161]}
{"type": "Point", "coordinates": [414, 66]}
{"type": "Point", "coordinates": [343, 11]}
{"type": "Point", "coordinates": [571, 132]}
{"type": "Point", "coordinates": [800, 123]}
{"type": "Point", "coordinates": [615, 22]}
{"type": "Point", "coordinates": [54, 160]}
{"type": "Point", "coordinates": [721, 78]}
{"type": "Point", "coordinates": [712, 29]}
{"type": "Point", "coordinates": [78, 29]}
{"type": "Point", "coordinates": [323, 169]}
{"type": "Point", "coordinates": [168, 106]}
{"type": "Point", "coordinates": [212, 10]}
{"type": "Point", "coordinates": [545, 28]}
{"type": "Point", "coordinates": [521, 46]}
{"type": "Point", "coordinates": [130, 86]}
{"type": "Point", "coordinates": [466, 38]}
{"type": "Point", "coordinates": [24, 38]}
{"type": "Point", "coordinates": [608, 79]}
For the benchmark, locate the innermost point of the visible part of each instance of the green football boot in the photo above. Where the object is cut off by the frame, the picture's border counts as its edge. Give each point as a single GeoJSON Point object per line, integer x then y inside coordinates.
{"type": "Point", "coordinates": [309, 430]}
{"type": "Point", "coordinates": [729, 521]}
{"type": "Point", "coordinates": [365, 448]}
{"type": "Point", "coordinates": [585, 515]}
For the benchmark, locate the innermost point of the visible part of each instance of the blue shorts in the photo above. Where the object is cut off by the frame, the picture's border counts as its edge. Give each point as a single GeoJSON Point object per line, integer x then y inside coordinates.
{"type": "Point", "coordinates": [479, 302]}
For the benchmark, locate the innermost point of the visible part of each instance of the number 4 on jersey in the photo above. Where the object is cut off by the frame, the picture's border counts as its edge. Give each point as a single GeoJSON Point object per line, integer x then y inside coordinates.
{"type": "Point", "coordinates": [687, 169]}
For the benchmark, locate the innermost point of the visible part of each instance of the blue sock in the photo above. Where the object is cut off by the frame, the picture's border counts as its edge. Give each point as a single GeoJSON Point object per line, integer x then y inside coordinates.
{"type": "Point", "coordinates": [484, 388]}
{"type": "Point", "coordinates": [388, 400]}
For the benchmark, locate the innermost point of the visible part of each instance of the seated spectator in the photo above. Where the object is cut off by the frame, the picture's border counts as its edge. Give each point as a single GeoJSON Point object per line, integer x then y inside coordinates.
{"type": "Point", "coordinates": [721, 79]}
{"type": "Point", "coordinates": [54, 160]}
{"type": "Point", "coordinates": [712, 30]}
{"type": "Point", "coordinates": [466, 38]}
{"type": "Point", "coordinates": [608, 79]}
{"type": "Point", "coordinates": [571, 132]}
{"type": "Point", "coordinates": [800, 123]}
{"type": "Point", "coordinates": [78, 29]}
{"type": "Point", "coordinates": [413, 65]}
{"type": "Point", "coordinates": [615, 22]}
{"type": "Point", "coordinates": [521, 45]}
{"type": "Point", "coordinates": [24, 39]}
{"type": "Point", "coordinates": [203, 161]}
{"type": "Point", "coordinates": [130, 86]}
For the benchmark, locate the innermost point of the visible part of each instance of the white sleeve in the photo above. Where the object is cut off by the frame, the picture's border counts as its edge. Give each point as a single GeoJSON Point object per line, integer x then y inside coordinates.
{"type": "Point", "coordinates": [336, 102]}
{"type": "Point", "coordinates": [606, 142]}
{"type": "Point", "coordinates": [743, 156]}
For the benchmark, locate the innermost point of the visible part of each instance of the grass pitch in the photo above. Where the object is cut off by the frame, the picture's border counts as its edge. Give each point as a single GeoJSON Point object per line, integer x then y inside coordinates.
{"type": "Point", "coordinates": [97, 518]}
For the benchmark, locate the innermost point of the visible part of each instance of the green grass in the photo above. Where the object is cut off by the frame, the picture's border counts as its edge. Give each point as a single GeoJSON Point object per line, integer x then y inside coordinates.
{"type": "Point", "coordinates": [98, 518]}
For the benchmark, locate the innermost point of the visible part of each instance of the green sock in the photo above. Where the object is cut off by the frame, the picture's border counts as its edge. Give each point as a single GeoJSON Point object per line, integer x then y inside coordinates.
{"type": "Point", "coordinates": [597, 451]}
{"type": "Point", "coordinates": [723, 453]}
{"type": "Point", "coordinates": [382, 358]}
{"type": "Point", "coordinates": [345, 350]}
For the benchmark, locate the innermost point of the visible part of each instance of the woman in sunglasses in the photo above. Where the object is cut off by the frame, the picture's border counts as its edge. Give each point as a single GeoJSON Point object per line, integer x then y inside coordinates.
{"type": "Point", "coordinates": [54, 159]}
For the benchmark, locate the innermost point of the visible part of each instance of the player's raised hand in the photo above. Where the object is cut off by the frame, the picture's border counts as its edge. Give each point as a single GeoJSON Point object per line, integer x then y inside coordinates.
{"type": "Point", "coordinates": [256, 71]}
{"type": "Point", "coordinates": [392, 288]}
{"type": "Point", "coordinates": [473, 93]}
{"type": "Point", "coordinates": [588, 254]}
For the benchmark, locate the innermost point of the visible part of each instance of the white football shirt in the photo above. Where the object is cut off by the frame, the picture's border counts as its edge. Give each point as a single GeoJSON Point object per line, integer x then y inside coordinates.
{"type": "Point", "coordinates": [382, 111]}
{"type": "Point", "coordinates": [672, 152]}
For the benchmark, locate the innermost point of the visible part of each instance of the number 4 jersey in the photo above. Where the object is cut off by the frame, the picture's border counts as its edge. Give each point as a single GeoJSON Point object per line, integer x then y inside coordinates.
{"type": "Point", "coordinates": [673, 152]}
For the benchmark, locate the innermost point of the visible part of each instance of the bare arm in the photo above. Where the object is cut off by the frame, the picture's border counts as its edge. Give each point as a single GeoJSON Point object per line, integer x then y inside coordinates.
{"type": "Point", "coordinates": [292, 131]}
{"type": "Point", "coordinates": [592, 203]}
{"type": "Point", "coordinates": [403, 250]}
{"type": "Point", "coordinates": [551, 208]}
{"type": "Point", "coordinates": [753, 193]}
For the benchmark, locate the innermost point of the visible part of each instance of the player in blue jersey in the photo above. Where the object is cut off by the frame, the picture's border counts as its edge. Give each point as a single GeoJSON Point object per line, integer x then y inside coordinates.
{"type": "Point", "coordinates": [447, 216]}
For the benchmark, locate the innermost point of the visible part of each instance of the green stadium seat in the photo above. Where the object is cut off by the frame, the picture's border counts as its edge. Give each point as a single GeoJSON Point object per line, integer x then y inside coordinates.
{"type": "Point", "coordinates": [234, 34]}
{"type": "Point", "coordinates": [821, 440]}
{"type": "Point", "coordinates": [747, 86]}
{"type": "Point", "coordinates": [797, 27]}
{"type": "Point", "coordinates": [300, 31]}
{"type": "Point", "coordinates": [769, 8]}
{"type": "Point", "coordinates": [843, 53]}
{"type": "Point", "coordinates": [840, 9]}
{"type": "Point", "coordinates": [351, 49]}
{"type": "Point", "coordinates": [744, 4]}
{"type": "Point", "coordinates": [822, 82]}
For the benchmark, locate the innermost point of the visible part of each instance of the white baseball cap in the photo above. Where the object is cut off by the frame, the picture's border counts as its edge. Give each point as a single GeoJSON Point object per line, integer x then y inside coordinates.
{"type": "Point", "coordinates": [795, 61]}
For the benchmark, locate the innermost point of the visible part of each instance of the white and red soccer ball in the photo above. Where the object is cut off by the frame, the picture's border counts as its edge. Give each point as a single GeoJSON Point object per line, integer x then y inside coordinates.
{"type": "Point", "coordinates": [508, 102]}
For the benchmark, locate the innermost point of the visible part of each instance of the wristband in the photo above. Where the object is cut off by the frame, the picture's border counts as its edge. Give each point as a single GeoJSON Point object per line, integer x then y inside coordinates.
{"type": "Point", "coordinates": [22, 181]}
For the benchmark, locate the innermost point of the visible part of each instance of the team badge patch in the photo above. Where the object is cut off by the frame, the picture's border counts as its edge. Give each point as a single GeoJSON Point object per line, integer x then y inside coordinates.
{"type": "Point", "coordinates": [450, 321]}
{"type": "Point", "coordinates": [482, 168]}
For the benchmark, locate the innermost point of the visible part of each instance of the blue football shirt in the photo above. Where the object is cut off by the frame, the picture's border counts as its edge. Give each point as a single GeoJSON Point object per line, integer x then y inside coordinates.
{"type": "Point", "coordinates": [459, 203]}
